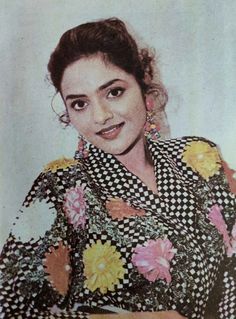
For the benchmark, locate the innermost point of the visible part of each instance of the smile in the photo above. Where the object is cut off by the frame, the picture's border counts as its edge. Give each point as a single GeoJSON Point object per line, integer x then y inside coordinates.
{"type": "Point", "coordinates": [111, 132]}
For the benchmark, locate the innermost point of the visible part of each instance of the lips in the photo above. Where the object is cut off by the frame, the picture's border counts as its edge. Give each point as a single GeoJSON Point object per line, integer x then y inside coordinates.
{"type": "Point", "coordinates": [111, 132]}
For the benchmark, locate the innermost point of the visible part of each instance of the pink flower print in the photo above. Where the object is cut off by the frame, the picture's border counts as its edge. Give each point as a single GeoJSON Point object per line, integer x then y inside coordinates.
{"type": "Point", "coordinates": [231, 176]}
{"type": "Point", "coordinates": [152, 259]}
{"type": "Point", "coordinates": [217, 220]}
{"type": "Point", "coordinates": [75, 207]}
{"type": "Point", "coordinates": [232, 250]}
{"type": "Point", "coordinates": [234, 231]}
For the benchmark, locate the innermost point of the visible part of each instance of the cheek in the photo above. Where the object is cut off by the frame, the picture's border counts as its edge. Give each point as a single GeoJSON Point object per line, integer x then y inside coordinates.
{"type": "Point", "coordinates": [134, 107]}
{"type": "Point", "coordinates": [78, 122]}
{"type": "Point", "coordinates": [140, 112]}
{"type": "Point", "coordinates": [142, 119]}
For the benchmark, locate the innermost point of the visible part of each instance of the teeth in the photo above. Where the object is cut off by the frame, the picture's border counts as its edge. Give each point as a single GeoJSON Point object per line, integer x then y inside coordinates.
{"type": "Point", "coordinates": [109, 131]}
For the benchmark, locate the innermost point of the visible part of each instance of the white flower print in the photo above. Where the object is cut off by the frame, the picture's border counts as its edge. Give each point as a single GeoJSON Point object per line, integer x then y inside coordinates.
{"type": "Point", "coordinates": [33, 221]}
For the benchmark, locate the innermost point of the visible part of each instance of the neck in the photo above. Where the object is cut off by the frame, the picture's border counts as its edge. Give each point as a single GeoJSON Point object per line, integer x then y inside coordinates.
{"type": "Point", "coordinates": [137, 158]}
{"type": "Point", "coordinates": [138, 161]}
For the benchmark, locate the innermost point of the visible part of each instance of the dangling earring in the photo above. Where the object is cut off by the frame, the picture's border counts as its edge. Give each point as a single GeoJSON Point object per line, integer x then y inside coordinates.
{"type": "Point", "coordinates": [83, 148]}
{"type": "Point", "coordinates": [151, 130]}
{"type": "Point", "coordinates": [64, 118]}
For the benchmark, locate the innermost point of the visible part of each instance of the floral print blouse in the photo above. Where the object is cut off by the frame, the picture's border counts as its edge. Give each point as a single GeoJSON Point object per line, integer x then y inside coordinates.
{"type": "Point", "coordinates": [92, 236]}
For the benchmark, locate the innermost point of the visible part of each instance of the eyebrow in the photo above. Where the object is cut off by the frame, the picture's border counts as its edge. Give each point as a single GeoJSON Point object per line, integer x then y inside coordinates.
{"type": "Point", "coordinates": [102, 87]}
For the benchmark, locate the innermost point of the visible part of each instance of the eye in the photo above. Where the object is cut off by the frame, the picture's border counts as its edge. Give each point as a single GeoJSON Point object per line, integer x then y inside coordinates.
{"type": "Point", "coordinates": [78, 105]}
{"type": "Point", "coordinates": [115, 92]}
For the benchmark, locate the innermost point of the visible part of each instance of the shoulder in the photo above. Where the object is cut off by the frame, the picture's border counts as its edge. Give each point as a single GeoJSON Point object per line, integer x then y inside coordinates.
{"type": "Point", "coordinates": [177, 146]}
{"type": "Point", "coordinates": [54, 180]}
{"type": "Point", "coordinates": [44, 204]}
{"type": "Point", "coordinates": [60, 164]}
{"type": "Point", "coordinates": [193, 154]}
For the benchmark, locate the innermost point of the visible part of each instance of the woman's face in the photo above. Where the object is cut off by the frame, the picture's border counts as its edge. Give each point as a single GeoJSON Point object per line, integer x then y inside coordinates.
{"type": "Point", "coordinates": [105, 104]}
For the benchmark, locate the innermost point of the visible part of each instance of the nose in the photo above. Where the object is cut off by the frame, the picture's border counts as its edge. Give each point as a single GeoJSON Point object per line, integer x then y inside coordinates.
{"type": "Point", "coordinates": [101, 113]}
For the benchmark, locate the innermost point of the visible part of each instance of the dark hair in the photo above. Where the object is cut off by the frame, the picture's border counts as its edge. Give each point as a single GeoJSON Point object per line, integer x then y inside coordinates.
{"type": "Point", "coordinates": [110, 38]}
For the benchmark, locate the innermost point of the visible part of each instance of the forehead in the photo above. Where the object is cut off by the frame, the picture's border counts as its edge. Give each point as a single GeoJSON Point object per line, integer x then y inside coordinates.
{"type": "Point", "coordinates": [89, 73]}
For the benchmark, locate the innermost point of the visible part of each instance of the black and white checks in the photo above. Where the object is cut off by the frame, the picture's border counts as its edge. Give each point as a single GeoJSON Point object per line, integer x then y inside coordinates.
{"type": "Point", "coordinates": [200, 270]}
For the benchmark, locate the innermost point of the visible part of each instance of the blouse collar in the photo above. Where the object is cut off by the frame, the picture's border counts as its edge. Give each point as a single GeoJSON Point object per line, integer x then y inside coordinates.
{"type": "Point", "coordinates": [112, 179]}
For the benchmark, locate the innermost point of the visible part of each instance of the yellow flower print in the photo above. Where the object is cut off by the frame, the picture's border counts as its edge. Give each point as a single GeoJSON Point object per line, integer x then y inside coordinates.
{"type": "Point", "coordinates": [202, 158]}
{"type": "Point", "coordinates": [61, 163]}
{"type": "Point", "coordinates": [103, 267]}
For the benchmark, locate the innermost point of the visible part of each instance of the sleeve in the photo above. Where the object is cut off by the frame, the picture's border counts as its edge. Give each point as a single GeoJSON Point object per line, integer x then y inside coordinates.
{"type": "Point", "coordinates": [35, 263]}
{"type": "Point", "coordinates": [224, 193]}
{"type": "Point", "coordinates": [216, 187]}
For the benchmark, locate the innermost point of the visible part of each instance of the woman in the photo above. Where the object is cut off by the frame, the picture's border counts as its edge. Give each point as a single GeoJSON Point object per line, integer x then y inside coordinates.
{"type": "Point", "coordinates": [133, 223]}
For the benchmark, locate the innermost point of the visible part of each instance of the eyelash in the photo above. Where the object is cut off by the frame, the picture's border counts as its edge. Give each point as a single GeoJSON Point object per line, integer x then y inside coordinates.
{"type": "Point", "coordinates": [75, 106]}
{"type": "Point", "coordinates": [121, 89]}
{"type": "Point", "coordinates": [75, 103]}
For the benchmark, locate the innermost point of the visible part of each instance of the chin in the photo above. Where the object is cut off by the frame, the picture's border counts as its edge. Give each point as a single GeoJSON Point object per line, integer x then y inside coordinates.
{"type": "Point", "coordinates": [115, 150]}
{"type": "Point", "coordinates": [119, 150]}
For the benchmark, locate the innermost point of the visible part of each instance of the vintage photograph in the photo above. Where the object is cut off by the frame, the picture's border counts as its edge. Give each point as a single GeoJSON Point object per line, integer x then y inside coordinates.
{"type": "Point", "coordinates": [118, 159]}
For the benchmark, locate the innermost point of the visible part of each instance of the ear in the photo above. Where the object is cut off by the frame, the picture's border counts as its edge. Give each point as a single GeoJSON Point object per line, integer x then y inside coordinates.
{"type": "Point", "coordinates": [149, 103]}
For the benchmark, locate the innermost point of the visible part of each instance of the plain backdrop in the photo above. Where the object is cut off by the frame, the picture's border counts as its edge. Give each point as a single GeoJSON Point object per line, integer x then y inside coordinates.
{"type": "Point", "coordinates": [196, 47]}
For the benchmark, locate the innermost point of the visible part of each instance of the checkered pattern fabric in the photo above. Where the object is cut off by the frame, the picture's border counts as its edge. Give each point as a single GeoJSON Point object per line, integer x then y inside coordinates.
{"type": "Point", "coordinates": [178, 212]}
